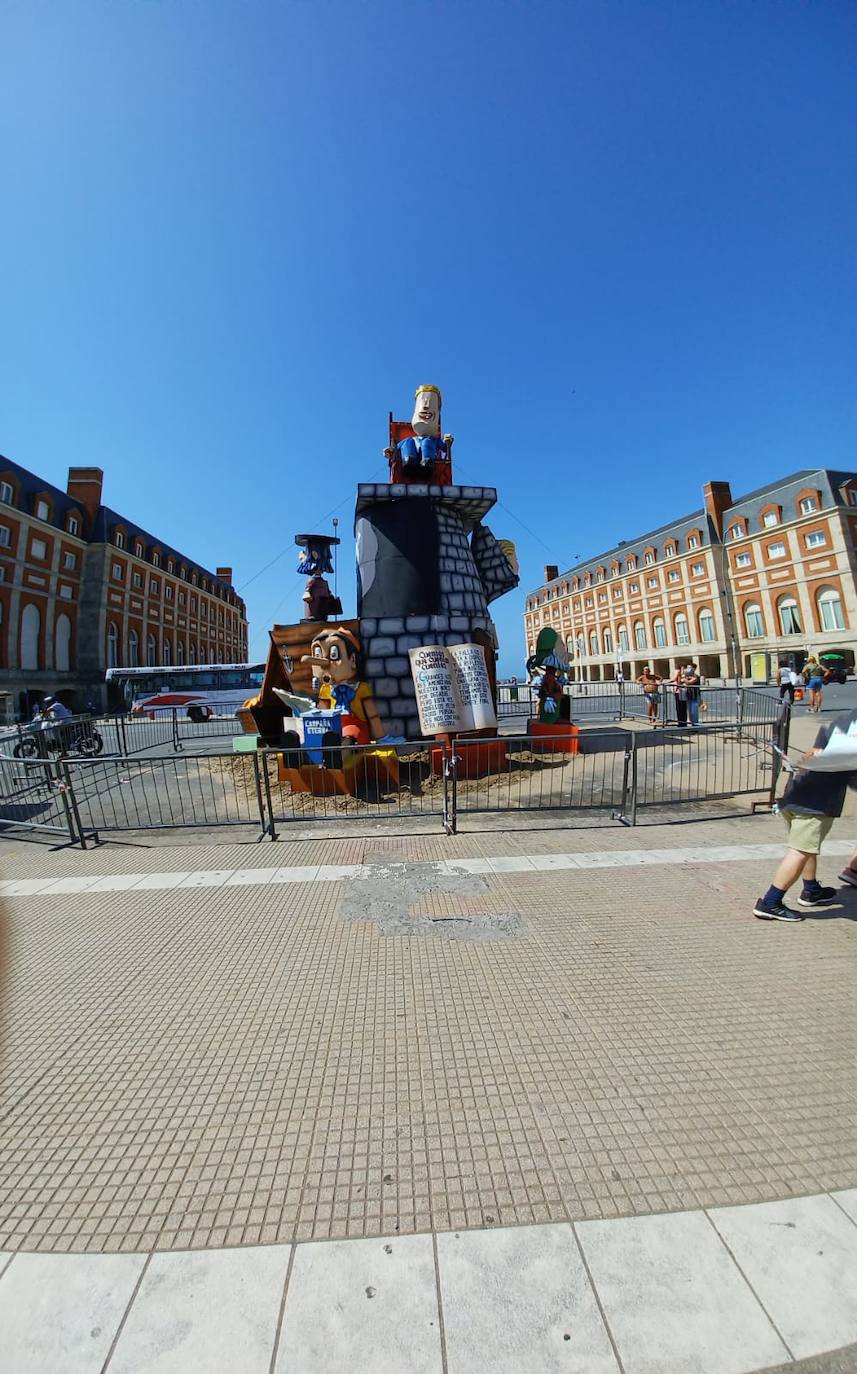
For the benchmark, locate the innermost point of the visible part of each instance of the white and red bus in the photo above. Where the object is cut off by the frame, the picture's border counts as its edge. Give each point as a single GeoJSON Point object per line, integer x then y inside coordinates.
{"type": "Point", "coordinates": [197, 692]}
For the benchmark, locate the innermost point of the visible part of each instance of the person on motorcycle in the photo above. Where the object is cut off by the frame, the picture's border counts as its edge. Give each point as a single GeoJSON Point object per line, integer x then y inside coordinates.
{"type": "Point", "coordinates": [54, 710]}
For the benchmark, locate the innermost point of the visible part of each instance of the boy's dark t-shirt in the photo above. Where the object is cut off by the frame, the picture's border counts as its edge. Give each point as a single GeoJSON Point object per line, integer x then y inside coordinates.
{"type": "Point", "coordinates": [820, 794]}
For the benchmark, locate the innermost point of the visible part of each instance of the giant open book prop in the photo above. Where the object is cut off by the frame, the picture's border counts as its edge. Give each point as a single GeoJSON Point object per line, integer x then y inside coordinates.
{"type": "Point", "coordinates": [453, 689]}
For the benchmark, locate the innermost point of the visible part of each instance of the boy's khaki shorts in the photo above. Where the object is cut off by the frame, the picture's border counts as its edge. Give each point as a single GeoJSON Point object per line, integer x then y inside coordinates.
{"type": "Point", "coordinates": [806, 833]}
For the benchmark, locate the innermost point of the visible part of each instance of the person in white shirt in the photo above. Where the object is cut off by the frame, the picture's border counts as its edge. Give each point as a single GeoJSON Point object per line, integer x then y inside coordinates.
{"type": "Point", "coordinates": [787, 677]}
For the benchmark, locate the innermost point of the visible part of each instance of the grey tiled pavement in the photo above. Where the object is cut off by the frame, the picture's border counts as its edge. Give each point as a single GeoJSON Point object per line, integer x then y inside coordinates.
{"type": "Point", "coordinates": [202, 1061]}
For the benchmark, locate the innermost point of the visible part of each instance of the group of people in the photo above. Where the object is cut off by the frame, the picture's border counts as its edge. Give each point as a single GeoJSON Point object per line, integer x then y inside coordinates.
{"type": "Point", "coordinates": [813, 677]}
{"type": "Point", "coordinates": [685, 685]}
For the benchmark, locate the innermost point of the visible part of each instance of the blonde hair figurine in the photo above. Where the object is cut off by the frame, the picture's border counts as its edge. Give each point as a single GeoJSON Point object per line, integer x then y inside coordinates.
{"type": "Point", "coordinates": [419, 452]}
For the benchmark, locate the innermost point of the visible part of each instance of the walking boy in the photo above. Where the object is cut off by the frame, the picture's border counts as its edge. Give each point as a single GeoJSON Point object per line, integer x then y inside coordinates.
{"type": "Point", "coordinates": [809, 806]}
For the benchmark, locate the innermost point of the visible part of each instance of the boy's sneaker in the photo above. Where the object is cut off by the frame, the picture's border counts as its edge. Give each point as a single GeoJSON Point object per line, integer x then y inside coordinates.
{"type": "Point", "coordinates": [819, 898]}
{"type": "Point", "coordinates": [849, 876]}
{"type": "Point", "coordinates": [775, 911]}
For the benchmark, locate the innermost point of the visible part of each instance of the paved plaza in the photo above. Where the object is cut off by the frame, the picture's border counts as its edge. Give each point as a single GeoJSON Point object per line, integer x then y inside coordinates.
{"type": "Point", "coordinates": [516, 1099]}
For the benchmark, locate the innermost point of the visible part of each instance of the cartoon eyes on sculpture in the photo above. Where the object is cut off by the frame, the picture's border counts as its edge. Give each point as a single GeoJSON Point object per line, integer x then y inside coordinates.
{"type": "Point", "coordinates": [334, 653]}
{"type": "Point", "coordinates": [317, 651]}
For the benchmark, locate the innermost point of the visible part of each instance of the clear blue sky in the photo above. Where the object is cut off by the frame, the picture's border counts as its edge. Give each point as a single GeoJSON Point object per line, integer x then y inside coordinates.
{"type": "Point", "coordinates": [620, 236]}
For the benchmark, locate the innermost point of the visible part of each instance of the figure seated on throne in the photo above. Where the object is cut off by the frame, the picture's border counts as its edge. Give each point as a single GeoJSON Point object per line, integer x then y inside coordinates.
{"type": "Point", "coordinates": [417, 452]}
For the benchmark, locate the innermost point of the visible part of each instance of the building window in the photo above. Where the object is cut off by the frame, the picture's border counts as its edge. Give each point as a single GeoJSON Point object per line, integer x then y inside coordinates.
{"type": "Point", "coordinates": [674, 575]}
{"type": "Point", "coordinates": [5, 536]}
{"type": "Point", "coordinates": [682, 634]}
{"type": "Point", "coordinates": [137, 579]}
{"type": "Point", "coordinates": [697, 569]}
{"type": "Point", "coordinates": [72, 525]}
{"type": "Point", "coordinates": [112, 646]}
{"type": "Point", "coordinates": [623, 639]}
{"type": "Point", "coordinates": [617, 593]}
{"type": "Point", "coordinates": [154, 586]}
{"type": "Point", "coordinates": [180, 653]}
{"type": "Point", "coordinates": [735, 531]}
{"type": "Point", "coordinates": [777, 550]}
{"type": "Point", "coordinates": [830, 610]}
{"type": "Point", "coordinates": [852, 496]}
{"type": "Point", "coordinates": [118, 572]}
{"type": "Point", "coordinates": [62, 641]}
{"type": "Point", "coordinates": [168, 592]}
{"type": "Point", "coordinates": [181, 598]}
{"type": "Point", "coordinates": [31, 624]}
{"type": "Point", "coordinates": [660, 630]}
{"type": "Point", "coordinates": [171, 567]}
{"type": "Point", "coordinates": [7, 493]}
{"type": "Point", "coordinates": [38, 548]}
{"type": "Point", "coordinates": [193, 579]}
{"type": "Point", "coordinates": [653, 581]}
{"type": "Point", "coordinates": [151, 650]}
{"type": "Point", "coordinates": [693, 541]}
{"type": "Point", "coordinates": [193, 654]}
{"type": "Point", "coordinates": [789, 616]}
{"type": "Point", "coordinates": [632, 565]}
{"type": "Point", "coordinates": [770, 518]}
{"type": "Point", "coordinates": [608, 642]}
{"type": "Point", "coordinates": [69, 560]}
{"type": "Point", "coordinates": [168, 653]}
{"type": "Point", "coordinates": [650, 558]}
{"type": "Point", "coordinates": [754, 621]}
{"type": "Point", "coordinates": [66, 591]}
{"type": "Point", "coordinates": [670, 550]}
{"type": "Point", "coordinates": [156, 560]}
{"type": "Point", "coordinates": [133, 649]}
{"type": "Point", "coordinates": [640, 635]}
{"type": "Point", "coordinates": [743, 560]}
{"type": "Point", "coordinates": [634, 587]}
{"type": "Point", "coordinates": [138, 550]}
{"type": "Point", "coordinates": [808, 505]}
{"type": "Point", "coordinates": [706, 627]}
{"type": "Point", "coordinates": [43, 510]}
{"type": "Point", "coordinates": [599, 576]}
{"type": "Point", "coordinates": [593, 642]}
{"type": "Point", "coordinates": [119, 539]}
{"type": "Point", "coordinates": [816, 540]}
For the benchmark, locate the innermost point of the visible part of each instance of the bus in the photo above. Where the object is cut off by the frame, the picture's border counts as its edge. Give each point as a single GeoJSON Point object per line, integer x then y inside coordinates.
{"type": "Point", "coordinates": [198, 692]}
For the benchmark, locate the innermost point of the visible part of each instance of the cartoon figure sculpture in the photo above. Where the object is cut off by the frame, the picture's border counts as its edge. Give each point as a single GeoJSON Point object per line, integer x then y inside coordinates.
{"type": "Point", "coordinates": [314, 562]}
{"type": "Point", "coordinates": [552, 659]}
{"type": "Point", "coordinates": [335, 655]}
{"type": "Point", "coordinates": [418, 456]}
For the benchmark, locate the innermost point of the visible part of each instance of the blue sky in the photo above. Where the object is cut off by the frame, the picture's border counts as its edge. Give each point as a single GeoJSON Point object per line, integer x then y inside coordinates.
{"type": "Point", "coordinates": [620, 236]}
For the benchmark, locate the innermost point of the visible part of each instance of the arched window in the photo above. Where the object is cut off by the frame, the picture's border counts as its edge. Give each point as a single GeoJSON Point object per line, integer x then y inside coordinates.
{"type": "Point", "coordinates": [63, 644]}
{"type": "Point", "coordinates": [789, 616]}
{"type": "Point", "coordinates": [706, 627]}
{"type": "Point", "coordinates": [593, 642]}
{"type": "Point", "coordinates": [569, 644]}
{"type": "Point", "coordinates": [754, 621]}
{"type": "Point", "coordinates": [608, 642]}
{"type": "Point", "coordinates": [133, 649]}
{"type": "Point", "coordinates": [193, 654]}
{"type": "Point", "coordinates": [151, 652]}
{"type": "Point", "coordinates": [180, 653]}
{"type": "Point", "coordinates": [682, 634]}
{"type": "Point", "coordinates": [112, 646]}
{"type": "Point", "coordinates": [830, 609]}
{"type": "Point", "coordinates": [623, 638]}
{"type": "Point", "coordinates": [660, 630]}
{"type": "Point", "coordinates": [168, 652]}
{"type": "Point", "coordinates": [31, 624]}
{"type": "Point", "coordinates": [640, 635]}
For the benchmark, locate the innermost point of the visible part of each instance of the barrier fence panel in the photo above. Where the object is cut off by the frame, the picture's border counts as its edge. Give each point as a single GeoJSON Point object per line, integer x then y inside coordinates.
{"type": "Point", "coordinates": [187, 731]}
{"type": "Point", "coordinates": [34, 795]}
{"type": "Point", "coordinates": [681, 765]}
{"type": "Point", "coordinates": [167, 793]}
{"type": "Point", "coordinates": [535, 776]}
{"type": "Point", "coordinates": [386, 781]}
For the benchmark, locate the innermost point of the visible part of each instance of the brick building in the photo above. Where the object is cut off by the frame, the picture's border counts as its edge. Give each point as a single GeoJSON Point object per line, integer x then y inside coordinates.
{"type": "Point", "coordinates": [82, 589]}
{"type": "Point", "coordinates": [772, 574]}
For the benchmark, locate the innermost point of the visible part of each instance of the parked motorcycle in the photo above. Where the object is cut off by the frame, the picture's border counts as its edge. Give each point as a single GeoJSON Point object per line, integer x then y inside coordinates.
{"type": "Point", "coordinates": [37, 741]}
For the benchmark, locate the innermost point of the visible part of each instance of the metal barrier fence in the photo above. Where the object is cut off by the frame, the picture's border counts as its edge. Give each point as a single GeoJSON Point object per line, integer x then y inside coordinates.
{"type": "Point", "coordinates": [620, 701]}
{"type": "Point", "coordinates": [36, 794]}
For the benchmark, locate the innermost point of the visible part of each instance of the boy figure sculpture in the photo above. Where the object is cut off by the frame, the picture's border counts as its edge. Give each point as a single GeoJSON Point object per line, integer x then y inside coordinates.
{"type": "Point", "coordinates": [420, 451]}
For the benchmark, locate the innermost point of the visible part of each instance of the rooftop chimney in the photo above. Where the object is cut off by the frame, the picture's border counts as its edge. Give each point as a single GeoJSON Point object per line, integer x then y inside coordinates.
{"type": "Point", "coordinates": [718, 498]}
{"type": "Point", "coordinates": [551, 572]}
{"type": "Point", "coordinates": [225, 575]}
{"type": "Point", "coordinates": [84, 488]}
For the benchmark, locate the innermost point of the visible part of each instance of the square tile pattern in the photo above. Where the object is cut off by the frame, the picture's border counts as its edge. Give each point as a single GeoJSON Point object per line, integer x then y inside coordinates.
{"type": "Point", "coordinates": [233, 1063]}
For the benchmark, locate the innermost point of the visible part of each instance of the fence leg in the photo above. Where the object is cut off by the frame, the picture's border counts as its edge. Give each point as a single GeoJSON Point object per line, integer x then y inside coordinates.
{"type": "Point", "coordinates": [260, 803]}
{"type": "Point", "coordinates": [271, 828]}
{"type": "Point", "coordinates": [633, 807]}
{"type": "Point", "coordinates": [71, 808]}
{"type": "Point", "coordinates": [122, 736]}
{"type": "Point", "coordinates": [177, 744]}
{"type": "Point", "coordinates": [450, 789]}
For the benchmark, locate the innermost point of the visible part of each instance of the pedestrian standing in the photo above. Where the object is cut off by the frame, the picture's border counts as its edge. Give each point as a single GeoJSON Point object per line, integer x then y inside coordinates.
{"type": "Point", "coordinates": [814, 676]}
{"type": "Point", "coordinates": [787, 679]}
{"type": "Point", "coordinates": [651, 691]}
{"type": "Point", "coordinates": [809, 806]}
{"type": "Point", "coordinates": [680, 697]}
{"type": "Point", "coordinates": [693, 684]}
